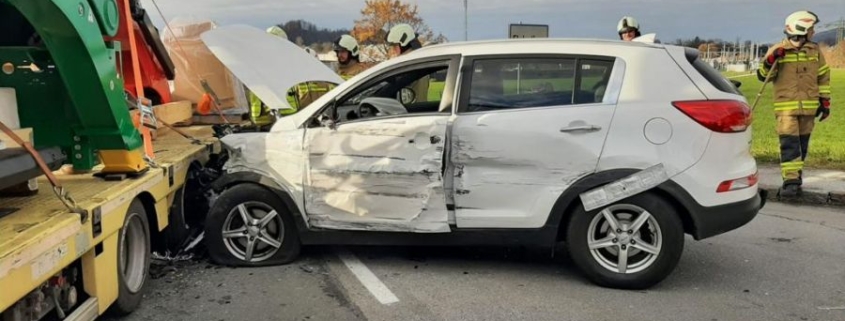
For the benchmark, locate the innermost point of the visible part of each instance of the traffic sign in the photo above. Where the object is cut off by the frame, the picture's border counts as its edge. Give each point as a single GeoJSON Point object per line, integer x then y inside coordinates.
{"type": "Point", "coordinates": [518, 30]}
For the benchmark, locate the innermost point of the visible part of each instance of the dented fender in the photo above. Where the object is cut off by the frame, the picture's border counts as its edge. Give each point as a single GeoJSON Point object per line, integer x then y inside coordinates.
{"type": "Point", "coordinates": [249, 177]}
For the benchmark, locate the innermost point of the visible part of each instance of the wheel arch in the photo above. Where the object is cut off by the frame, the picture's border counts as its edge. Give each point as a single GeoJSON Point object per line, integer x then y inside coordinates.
{"type": "Point", "coordinates": [570, 199]}
{"type": "Point", "coordinates": [230, 180]}
{"type": "Point", "coordinates": [148, 202]}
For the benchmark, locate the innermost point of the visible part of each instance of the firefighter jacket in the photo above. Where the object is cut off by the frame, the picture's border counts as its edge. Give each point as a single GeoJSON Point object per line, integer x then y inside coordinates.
{"type": "Point", "coordinates": [800, 78]}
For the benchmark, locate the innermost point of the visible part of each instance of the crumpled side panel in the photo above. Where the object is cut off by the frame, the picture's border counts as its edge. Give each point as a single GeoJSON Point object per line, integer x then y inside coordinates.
{"type": "Point", "coordinates": [379, 175]}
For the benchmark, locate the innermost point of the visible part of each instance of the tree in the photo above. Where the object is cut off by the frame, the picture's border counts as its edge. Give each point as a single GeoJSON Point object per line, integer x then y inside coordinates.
{"type": "Point", "coordinates": [378, 16]}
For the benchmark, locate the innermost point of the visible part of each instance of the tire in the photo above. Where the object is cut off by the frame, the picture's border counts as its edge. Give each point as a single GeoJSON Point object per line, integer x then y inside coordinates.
{"type": "Point", "coordinates": [258, 204]}
{"type": "Point", "coordinates": [184, 220]}
{"type": "Point", "coordinates": [653, 250]}
{"type": "Point", "coordinates": [177, 230]}
{"type": "Point", "coordinates": [133, 259]}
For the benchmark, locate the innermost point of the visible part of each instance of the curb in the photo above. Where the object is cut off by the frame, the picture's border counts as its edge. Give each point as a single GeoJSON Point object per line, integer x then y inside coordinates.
{"type": "Point", "coordinates": [807, 197]}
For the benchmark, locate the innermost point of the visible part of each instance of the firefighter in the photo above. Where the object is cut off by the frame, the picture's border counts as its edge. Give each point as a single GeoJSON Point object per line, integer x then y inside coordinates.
{"type": "Point", "coordinates": [259, 114]}
{"type": "Point", "coordinates": [628, 28]}
{"type": "Point", "coordinates": [801, 81]}
{"type": "Point", "coordinates": [278, 32]}
{"type": "Point", "coordinates": [346, 48]}
{"type": "Point", "coordinates": [402, 40]}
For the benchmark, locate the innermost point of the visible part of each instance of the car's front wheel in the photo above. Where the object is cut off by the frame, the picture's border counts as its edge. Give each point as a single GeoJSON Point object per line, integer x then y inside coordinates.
{"type": "Point", "coordinates": [632, 244]}
{"type": "Point", "coordinates": [250, 226]}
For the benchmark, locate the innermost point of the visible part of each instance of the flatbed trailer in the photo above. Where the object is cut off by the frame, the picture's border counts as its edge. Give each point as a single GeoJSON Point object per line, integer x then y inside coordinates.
{"type": "Point", "coordinates": [44, 246]}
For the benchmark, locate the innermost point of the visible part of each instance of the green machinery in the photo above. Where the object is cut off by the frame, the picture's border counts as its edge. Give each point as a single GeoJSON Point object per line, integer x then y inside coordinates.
{"type": "Point", "coordinates": [66, 80]}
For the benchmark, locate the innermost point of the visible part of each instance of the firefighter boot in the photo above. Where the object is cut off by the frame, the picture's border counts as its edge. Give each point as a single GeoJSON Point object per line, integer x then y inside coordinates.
{"type": "Point", "coordinates": [790, 190]}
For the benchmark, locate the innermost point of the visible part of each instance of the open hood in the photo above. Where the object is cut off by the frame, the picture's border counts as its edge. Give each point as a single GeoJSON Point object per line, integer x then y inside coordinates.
{"type": "Point", "coordinates": [266, 64]}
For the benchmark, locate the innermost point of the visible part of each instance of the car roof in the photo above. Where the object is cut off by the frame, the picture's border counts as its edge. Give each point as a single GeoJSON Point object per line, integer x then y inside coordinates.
{"type": "Point", "coordinates": [480, 47]}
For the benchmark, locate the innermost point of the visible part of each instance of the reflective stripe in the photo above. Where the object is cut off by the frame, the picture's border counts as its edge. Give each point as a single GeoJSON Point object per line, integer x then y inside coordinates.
{"type": "Point", "coordinates": [764, 70]}
{"type": "Point", "coordinates": [824, 89]}
{"type": "Point", "coordinates": [797, 57]}
{"type": "Point", "coordinates": [790, 167]}
{"type": "Point", "coordinates": [824, 69]}
{"type": "Point", "coordinates": [793, 105]}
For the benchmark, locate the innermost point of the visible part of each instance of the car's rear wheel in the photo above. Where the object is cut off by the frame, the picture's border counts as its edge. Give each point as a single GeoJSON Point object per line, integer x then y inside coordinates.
{"type": "Point", "coordinates": [632, 244]}
{"type": "Point", "coordinates": [250, 226]}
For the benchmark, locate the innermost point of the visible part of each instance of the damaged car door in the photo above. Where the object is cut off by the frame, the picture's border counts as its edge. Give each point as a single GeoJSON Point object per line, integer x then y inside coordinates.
{"type": "Point", "coordinates": [527, 128]}
{"type": "Point", "coordinates": [375, 156]}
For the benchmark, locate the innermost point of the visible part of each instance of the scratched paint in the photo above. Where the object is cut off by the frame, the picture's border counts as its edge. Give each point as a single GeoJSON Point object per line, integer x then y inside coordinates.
{"type": "Point", "coordinates": [277, 155]}
{"type": "Point", "coordinates": [511, 167]}
{"type": "Point", "coordinates": [378, 175]}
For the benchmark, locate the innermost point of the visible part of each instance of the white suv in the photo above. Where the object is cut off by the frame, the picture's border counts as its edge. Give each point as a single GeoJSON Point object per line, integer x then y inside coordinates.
{"type": "Point", "coordinates": [617, 149]}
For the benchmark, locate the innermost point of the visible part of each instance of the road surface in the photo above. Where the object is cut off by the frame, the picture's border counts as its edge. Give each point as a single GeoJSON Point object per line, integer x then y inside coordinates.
{"type": "Point", "coordinates": [787, 264]}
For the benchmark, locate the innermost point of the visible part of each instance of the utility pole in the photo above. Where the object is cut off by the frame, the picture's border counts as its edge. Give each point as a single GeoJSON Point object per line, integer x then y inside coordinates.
{"type": "Point", "coordinates": [466, 21]}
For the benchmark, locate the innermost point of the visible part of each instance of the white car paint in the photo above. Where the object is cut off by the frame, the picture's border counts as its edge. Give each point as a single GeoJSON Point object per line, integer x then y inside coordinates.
{"type": "Point", "coordinates": [506, 168]}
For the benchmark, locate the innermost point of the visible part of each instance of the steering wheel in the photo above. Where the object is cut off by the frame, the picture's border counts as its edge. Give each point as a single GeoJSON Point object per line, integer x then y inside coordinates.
{"type": "Point", "coordinates": [366, 111]}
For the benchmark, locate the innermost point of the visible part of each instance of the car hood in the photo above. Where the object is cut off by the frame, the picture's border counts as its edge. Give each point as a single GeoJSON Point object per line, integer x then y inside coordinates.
{"type": "Point", "coordinates": [268, 65]}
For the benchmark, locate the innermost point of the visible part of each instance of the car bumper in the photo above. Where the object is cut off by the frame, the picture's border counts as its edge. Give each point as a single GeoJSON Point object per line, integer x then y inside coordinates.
{"type": "Point", "coordinates": [712, 221]}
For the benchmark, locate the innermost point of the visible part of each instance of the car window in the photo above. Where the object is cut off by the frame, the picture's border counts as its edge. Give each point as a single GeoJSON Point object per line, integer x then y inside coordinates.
{"type": "Point", "coordinates": [593, 79]}
{"type": "Point", "coordinates": [520, 83]}
{"type": "Point", "coordinates": [416, 90]}
{"type": "Point", "coordinates": [512, 83]}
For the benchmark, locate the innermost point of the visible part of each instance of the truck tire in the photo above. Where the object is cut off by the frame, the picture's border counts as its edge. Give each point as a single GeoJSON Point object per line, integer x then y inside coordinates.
{"type": "Point", "coordinates": [258, 228]}
{"type": "Point", "coordinates": [646, 229]}
{"type": "Point", "coordinates": [133, 259]}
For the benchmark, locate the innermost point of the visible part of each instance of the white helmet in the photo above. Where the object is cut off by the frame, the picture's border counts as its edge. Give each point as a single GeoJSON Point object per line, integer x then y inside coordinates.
{"type": "Point", "coordinates": [348, 43]}
{"type": "Point", "coordinates": [626, 24]}
{"type": "Point", "coordinates": [277, 31]}
{"type": "Point", "coordinates": [311, 52]}
{"type": "Point", "coordinates": [401, 34]}
{"type": "Point", "coordinates": [800, 22]}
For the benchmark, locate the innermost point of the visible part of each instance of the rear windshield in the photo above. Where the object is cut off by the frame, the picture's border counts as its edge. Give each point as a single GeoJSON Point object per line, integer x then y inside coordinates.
{"type": "Point", "coordinates": [712, 75]}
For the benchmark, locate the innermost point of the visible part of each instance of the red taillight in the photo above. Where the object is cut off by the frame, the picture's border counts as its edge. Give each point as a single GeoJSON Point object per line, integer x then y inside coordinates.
{"type": "Point", "coordinates": [723, 116]}
{"type": "Point", "coordinates": [738, 184]}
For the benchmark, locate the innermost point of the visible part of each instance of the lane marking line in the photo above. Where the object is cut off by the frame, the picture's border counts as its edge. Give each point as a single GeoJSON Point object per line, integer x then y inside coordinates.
{"type": "Point", "coordinates": [370, 281]}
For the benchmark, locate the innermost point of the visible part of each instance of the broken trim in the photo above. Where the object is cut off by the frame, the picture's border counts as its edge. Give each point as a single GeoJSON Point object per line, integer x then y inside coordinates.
{"type": "Point", "coordinates": [626, 187]}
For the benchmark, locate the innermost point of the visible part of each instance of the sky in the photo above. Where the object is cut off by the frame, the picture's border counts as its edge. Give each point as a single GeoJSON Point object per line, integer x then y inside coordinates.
{"type": "Point", "coordinates": [756, 20]}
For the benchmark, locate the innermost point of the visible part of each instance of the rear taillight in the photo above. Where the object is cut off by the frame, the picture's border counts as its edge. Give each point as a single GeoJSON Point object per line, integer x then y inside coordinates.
{"type": "Point", "coordinates": [738, 184]}
{"type": "Point", "coordinates": [723, 116]}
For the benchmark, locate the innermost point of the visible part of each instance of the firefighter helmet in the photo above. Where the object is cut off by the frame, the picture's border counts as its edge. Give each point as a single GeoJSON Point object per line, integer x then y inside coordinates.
{"type": "Point", "coordinates": [401, 34]}
{"type": "Point", "coordinates": [277, 31]}
{"type": "Point", "coordinates": [348, 43]}
{"type": "Point", "coordinates": [627, 24]}
{"type": "Point", "coordinates": [800, 22]}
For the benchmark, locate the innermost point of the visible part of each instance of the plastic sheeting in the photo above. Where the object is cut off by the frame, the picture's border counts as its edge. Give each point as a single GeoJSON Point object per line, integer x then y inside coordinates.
{"type": "Point", "coordinates": [267, 65]}
{"type": "Point", "coordinates": [194, 62]}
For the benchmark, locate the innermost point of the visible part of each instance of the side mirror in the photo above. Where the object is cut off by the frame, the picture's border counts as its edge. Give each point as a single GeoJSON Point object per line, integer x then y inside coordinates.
{"type": "Point", "coordinates": [407, 96]}
{"type": "Point", "coordinates": [736, 83]}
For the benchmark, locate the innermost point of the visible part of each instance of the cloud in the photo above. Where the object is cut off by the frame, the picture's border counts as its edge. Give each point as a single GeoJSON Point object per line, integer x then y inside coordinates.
{"type": "Point", "coordinates": [758, 20]}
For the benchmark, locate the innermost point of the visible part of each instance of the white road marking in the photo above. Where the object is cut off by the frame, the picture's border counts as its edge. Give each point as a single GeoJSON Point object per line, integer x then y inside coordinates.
{"type": "Point", "coordinates": [377, 288]}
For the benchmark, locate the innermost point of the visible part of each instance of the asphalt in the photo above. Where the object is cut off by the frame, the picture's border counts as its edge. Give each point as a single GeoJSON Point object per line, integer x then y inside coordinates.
{"type": "Point", "coordinates": [199, 290]}
{"type": "Point", "coordinates": [821, 187]}
{"type": "Point", "coordinates": [786, 264]}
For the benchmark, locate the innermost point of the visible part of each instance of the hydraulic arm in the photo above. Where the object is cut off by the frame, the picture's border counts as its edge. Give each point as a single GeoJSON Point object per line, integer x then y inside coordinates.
{"type": "Point", "coordinates": [66, 81]}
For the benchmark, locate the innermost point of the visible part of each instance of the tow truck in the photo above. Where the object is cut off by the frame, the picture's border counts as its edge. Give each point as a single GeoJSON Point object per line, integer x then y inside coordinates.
{"type": "Point", "coordinates": [71, 71]}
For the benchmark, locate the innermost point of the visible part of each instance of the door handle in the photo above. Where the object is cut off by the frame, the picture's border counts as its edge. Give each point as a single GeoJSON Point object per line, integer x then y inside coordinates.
{"type": "Point", "coordinates": [589, 128]}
